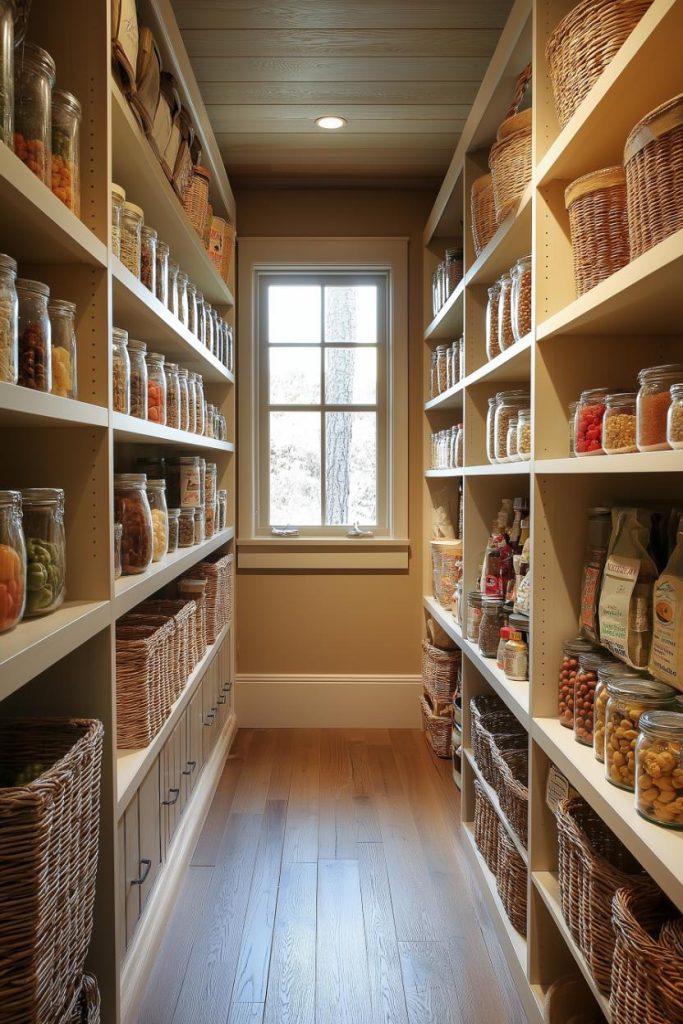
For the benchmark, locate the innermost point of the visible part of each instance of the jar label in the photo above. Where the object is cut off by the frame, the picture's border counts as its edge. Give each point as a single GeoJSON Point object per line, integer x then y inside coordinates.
{"type": "Point", "coordinates": [189, 487]}
{"type": "Point", "coordinates": [665, 659]}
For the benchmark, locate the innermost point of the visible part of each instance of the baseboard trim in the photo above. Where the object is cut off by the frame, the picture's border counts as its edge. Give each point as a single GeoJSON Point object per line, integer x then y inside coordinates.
{"type": "Point", "coordinates": [327, 701]}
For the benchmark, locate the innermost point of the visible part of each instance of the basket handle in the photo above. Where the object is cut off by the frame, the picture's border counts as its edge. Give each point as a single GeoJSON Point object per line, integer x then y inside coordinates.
{"type": "Point", "coordinates": [521, 86]}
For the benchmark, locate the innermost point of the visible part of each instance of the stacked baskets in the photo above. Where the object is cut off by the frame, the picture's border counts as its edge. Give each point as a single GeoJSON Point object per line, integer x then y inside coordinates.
{"type": "Point", "coordinates": [440, 684]}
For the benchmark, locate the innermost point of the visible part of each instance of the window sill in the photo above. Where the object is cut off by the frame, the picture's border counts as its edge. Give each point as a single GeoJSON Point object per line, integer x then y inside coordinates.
{"type": "Point", "coordinates": [316, 553]}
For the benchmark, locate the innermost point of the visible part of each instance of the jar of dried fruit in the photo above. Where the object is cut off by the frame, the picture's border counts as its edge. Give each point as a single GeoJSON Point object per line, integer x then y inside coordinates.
{"type": "Point", "coordinates": [569, 666]}
{"type": "Point", "coordinates": [654, 399]}
{"type": "Point", "coordinates": [627, 700]}
{"type": "Point", "coordinates": [131, 509]}
{"type": "Point", "coordinates": [454, 270]}
{"type": "Point", "coordinates": [120, 370]}
{"type": "Point", "coordinates": [492, 329]}
{"type": "Point", "coordinates": [34, 79]}
{"type": "Point", "coordinates": [619, 423]}
{"type": "Point", "coordinates": [659, 774]}
{"type": "Point", "coordinates": [12, 561]}
{"type": "Point", "coordinates": [118, 198]}
{"type": "Point", "coordinates": [172, 395]}
{"type": "Point", "coordinates": [506, 338]}
{"type": "Point", "coordinates": [588, 422]}
{"type": "Point", "coordinates": [35, 336]}
{"type": "Point", "coordinates": [161, 289]}
{"type": "Point", "coordinates": [132, 218]}
{"type": "Point", "coordinates": [63, 329]}
{"type": "Point", "coordinates": [156, 388]}
{"type": "Point", "coordinates": [138, 378]}
{"type": "Point", "coordinates": [148, 258]}
{"type": "Point", "coordinates": [508, 404]}
{"type": "Point", "coordinates": [66, 149]}
{"type": "Point", "coordinates": [521, 298]}
{"type": "Point", "coordinates": [156, 494]}
{"type": "Point", "coordinates": [9, 321]}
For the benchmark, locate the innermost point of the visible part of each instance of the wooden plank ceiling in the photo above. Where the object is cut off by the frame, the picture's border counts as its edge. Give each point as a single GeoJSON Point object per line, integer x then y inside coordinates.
{"type": "Point", "coordinates": [403, 73]}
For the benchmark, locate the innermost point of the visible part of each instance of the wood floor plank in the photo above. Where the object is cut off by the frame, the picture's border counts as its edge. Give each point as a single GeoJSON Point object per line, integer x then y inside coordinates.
{"type": "Point", "coordinates": [291, 985]}
{"type": "Point", "coordinates": [384, 964]}
{"type": "Point", "coordinates": [342, 980]}
{"type": "Point", "coordinates": [366, 815]}
{"type": "Point", "coordinates": [301, 833]}
{"type": "Point", "coordinates": [246, 1013]}
{"type": "Point", "coordinates": [281, 773]}
{"type": "Point", "coordinates": [212, 833]}
{"type": "Point", "coordinates": [253, 786]}
{"type": "Point", "coordinates": [251, 977]}
{"type": "Point", "coordinates": [428, 983]}
{"type": "Point", "coordinates": [335, 778]}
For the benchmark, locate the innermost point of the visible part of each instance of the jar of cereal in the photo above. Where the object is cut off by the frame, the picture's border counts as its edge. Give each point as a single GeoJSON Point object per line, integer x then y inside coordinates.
{"type": "Point", "coordinates": [491, 431]}
{"type": "Point", "coordinates": [172, 395]}
{"type": "Point", "coordinates": [524, 435]}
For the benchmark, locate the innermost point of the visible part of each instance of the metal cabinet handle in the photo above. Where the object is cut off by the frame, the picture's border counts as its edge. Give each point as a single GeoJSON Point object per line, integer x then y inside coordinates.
{"type": "Point", "coordinates": [191, 765]}
{"type": "Point", "coordinates": [169, 803]}
{"type": "Point", "coordinates": [143, 877]}
{"type": "Point", "coordinates": [227, 687]}
{"type": "Point", "coordinates": [222, 700]}
{"type": "Point", "coordinates": [210, 718]}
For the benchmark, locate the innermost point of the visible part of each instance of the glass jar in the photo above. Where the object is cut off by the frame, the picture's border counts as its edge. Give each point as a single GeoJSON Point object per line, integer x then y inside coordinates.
{"type": "Point", "coordinates": [453, 270]}
{"type": "Point", "coordinates": [199, 526]}
{"type": "Point", "coordinates": [183, 482]}
{"type": "Point", "coordinates": [34, 79]}
{"type": "Point", "coordinates": [585, 683]}
{"type": "Point", "coordinates": [148, 258]}
{"type": "Point", "coordinates": [156, 388]}
{"type": "Point", "coordinates": [35, 336]}
{"type": "Point", "coordinates": [172, 297]}
{"type": "Point", "coordinates": [210, 517]}
{"type": "Point", "coordinates": [201, 318]}
{"type": "Point", "coordinates": [459, 447]}
{"type": "Point", "coordinates": [132, 218]}
{"type": "Point", "coordinates": [435, 293]}
{"type": "Point", "coordinates": [508, 404]}
{"type": "Point", "coordinates": [674, 419]}
{"type": "Point", "coordinates": [183, 313]}
{"type": "Point", "coordinates": [138, 378]}
{"type": "Point", "coordinates": [66, 149]}
{"type": "Point", "coordinates": [161, 289]}
{"type": "Point", "coordinates": [213, 422]}
{"type": "Point", "coordinates": [43, 525]}
{"type": "Point", "coordinates": [132, 511]}
{"type": "Point", "coordinates": [173, 517]}
{"type": "Point", "coordinates": [183, 392]}
{"type": "Point", "coordinates": [491, 431]}
{"type": "Point", "coordinates": [434, 376]}
{"type": "Point", "coordinates": [619, 423]}
{"type": "Point", "coordinates": [474, 613]}
{"type": "Point", "coordinates": [231, 351]}
{"type": "Point", "coordinates": [492, 323]}
{"type": "Point", "coordinates": [156, 494]}
{"type": "Point", "coordinates": [492, 621]}
{"type": "Point", "coordinates": [118, 532]}
{"type": "Point", "coordinates": [521, 298]}
{"type": "Point", "coordinates": [590, 410]}
{"type": "Point", "coordinates": [654, 399]}
{"type": "Point", "coordinates": [222, 509]}
{"type": "Point", "coordinates": [120, 371]}
{"type": "Point", "coordinates": [524, 435]}
{"type": "Point", "coordinates": [569, 667]}
{"type": "Point", "coordinates": [186, 528]}
{"type": "Point", "coordinates": [506, 338]}
{"type": "Point", "coordinates": [659, 775]}
{"type": "Point", "coordinates": [455, 362]}
{"type": "Point", "coordinates": [12, 561]}
{"type": "Point", "coordinates": [200, 403]}
{"type": "Point", "coordinates": [607, 671]}
{"type": "Point", "coordinates": [172, 395]}
{"type": "Point", "coordinates": [118, 198]}
{"type": "Point", "coordinates": [442, 368]}
{"type": "Point", "coordinates": [627, 700]}
{"type": "Point", "coordinates": [191, 308]}
{"type": "Point", "coordinates": [8, 14]}
{"type": "Point", "coordinates": [9, 316]}
{"type": "Point", "coordinates": [208, 335]}
{"type": "Point", "coordinates": [202, 482]}
{"type": "Point", "coordinates": [63, 334]}
{"type": "Point", "coordinates": [504, 637]}
{"type": "Point", "coordinates": [595, 556]}
{"type": "Point", "coordinates": [191, 404]}
{"type": "Point", "coordinates": [511, 443]}
{"type": "Point", "coordinates": [217, 336]}
{"type": "Point", "coordinates": [571, 410]}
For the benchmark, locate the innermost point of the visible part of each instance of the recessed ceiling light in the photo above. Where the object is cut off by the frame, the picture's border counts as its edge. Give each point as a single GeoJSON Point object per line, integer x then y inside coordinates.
{"type": "Point", "coordinates": [331, 122]}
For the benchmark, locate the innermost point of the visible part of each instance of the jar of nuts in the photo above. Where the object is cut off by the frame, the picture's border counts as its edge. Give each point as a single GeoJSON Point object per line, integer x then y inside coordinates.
{"type": "Point", "coordinates": [492, 342]}
{"type": "Point", "coordinates": [508, 404]}
{"type": "Point", "coordinates": [585, 682]}
{"type": "Point", "coordinates": [521, 298]}
{"type": "Point", "coordinates": [619, 423]}
{"type": "Point", "coordinates": [627, 700]}
{"type": "Point", "coordinates": [506, 338]}
{"type": "Point", "coordinates": [35, 336]}
{"type": "Point", "coordinates": [659, 774]}
{"type": "Point", "coordinates": [569, 667]}
{"type": "Point", "coordinates": [606, 672]}
{"type": "Point", "coordinates": [524, 435]}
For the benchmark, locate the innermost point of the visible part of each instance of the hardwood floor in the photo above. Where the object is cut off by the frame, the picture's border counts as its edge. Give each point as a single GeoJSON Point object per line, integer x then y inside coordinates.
{"type": "Point", "coordinates": [330, 885]}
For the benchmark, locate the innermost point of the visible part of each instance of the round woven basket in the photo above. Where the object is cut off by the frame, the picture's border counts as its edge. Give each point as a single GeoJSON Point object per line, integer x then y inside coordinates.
{"type": "Point", "coordinates": [484, 221]}
{"type": "Point", "coordinates": [510, 157]}
{"type": "Point", "coordinates": [598, 223]}
{"type": "Point", "coordinates": [583, 44]}
{"type": "Point", "coordinates": [520, 122]}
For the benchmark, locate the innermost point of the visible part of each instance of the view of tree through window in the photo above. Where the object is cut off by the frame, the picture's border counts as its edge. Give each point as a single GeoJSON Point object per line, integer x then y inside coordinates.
{"type": "Point", "coordinates": [323, 343]}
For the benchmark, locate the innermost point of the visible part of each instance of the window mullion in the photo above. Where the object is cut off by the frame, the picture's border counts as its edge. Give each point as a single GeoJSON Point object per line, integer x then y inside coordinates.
{"type": "Point", "coordinates": [323, 418]}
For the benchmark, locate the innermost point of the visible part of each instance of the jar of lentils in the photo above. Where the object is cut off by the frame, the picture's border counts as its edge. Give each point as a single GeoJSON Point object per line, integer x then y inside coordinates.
{"type": "Point", "coordinates": [521, 298]}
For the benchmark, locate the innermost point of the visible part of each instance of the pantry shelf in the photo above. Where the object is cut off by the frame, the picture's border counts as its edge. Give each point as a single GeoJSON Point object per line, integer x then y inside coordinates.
{"type": "Point", "coordinates": [130, 590]}
{"type": "Point", "coordinates": [659, 850]}
{"type": "Point", "coordinates": [493, 797]}
{"type": "Point", "coordinates": [445, 619]}
{"type": "Point", "coordinates": [451, 399]}
{"type": "Point", "coordinates": [140, 313]}
{"type": "Point", "coordinates": [137, 431]}
{"type": "Point", "coordinates": [513, 364]}
{"type": "Point", "coordinates": [22, 407]}
{"type": "Point", "coordinates": [443, 472]}
{"type": "Point", "coordinates": [447, 324]}
{"type": "Point", "coordinates": [511, 241]}
{"type": "Point", "coordinates": [499, 469]}
{"type": "Point", "coordinates": [634, 462]}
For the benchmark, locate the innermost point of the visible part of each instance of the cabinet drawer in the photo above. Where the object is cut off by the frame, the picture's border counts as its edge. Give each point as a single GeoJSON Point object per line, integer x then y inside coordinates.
{"type": "Point", "coordinates": [150, 833]}
{"type": "Point", "coordinates": [132, 868]}
{"type": "Point", "coordinates": [184, 758]}
{"type": "Point", "coordinates": [195, 728]}
{"type": "Point", "coordinates": [210, 705]}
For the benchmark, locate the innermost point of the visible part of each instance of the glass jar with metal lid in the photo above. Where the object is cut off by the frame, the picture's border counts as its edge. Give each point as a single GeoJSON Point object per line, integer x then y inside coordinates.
{"type": "Point", "coordinates": [183, 392]}
{"type": "Point", "coordinates": [492, 621]}
{"type": "Point", "coordinates": [659, 768]}
{"type": "Point", "coordinates": [571, 412]}
{"type": "Point", "coordinates": [585, 683]}
{"type": "Point", "coordinates": [66, 149]}
{"type": "Point", "coordinates": [132, 511]}
{"type": "Point", "coordinates": [9, 321]}
{"type": "Point", "coordinates": [200, 408]}
{"type": "Point", "coordinates": [63, 334]}
{"type": "Point", "coordinates": [521, 298]}
{"type": "Point", "coordinates": [138, 378]}
{"type": "Point", "coordinates": [183, 481]}
{"type": "Point", "coordinates": [191, 308]}
{"type": "Point", "coordinates": [118, 198]}
{"type": "Point", "coordinates": [524, 435]}
{"type": "Point", "coordinates": [493, 348]}
{"type": "Point", "coordinates": [627, 700]}
{"type": "Point", "coordinates": [474, 613]}
{"type": "Point", "coordinates": [506, 338]}
{"type": "Point", "coordinates": [120, 371]}
{"type": "Point", "coordinates": [172, 277]}
{"type": "Point", "coordinates": [43, 525]}
{"type": "Point", "coordinates": [569, 667]}
{"type": "Point", "coordinates": [588, 422]}
{"type": "Point", "coordinates": [654, 399]}
{"type": "Point", "coordinates": [508, 404]}
{"type": "Point", "coordinates": [607, 671]}
{"type": "Point", "coordinates": [12, 561]}
{"type": "Point", "coordinates": [8, 13]}
{"type": "Point", "coordinates": [619, 423]}
{"type": "Point", "coordinates": [132, 218]}
{"type": "Point", "coordinates": [511, 443]}
{"type": "Point", "coordinates": [34, 79]}
{"type": "Point", "coordinates": [156, 494]}
{"type": "Point", "coordinates": [35, 335]}
{"type": "Point", "coordinates": [208, 321]}
{"type": "Point", "coordinates": [172, 395]}
{"type": "Point", "coordinates": [156, 388]}
{"type": "Point", "coordinates": [453, 270]}
{"type": "Point", "coordinates": [183, 313]}
{"type": "Point", "coordinates": [173, 520]}
{"type": "Point", "coordinates": [148, 258]}
{"type": "Point", "coordinates": [161, 289]}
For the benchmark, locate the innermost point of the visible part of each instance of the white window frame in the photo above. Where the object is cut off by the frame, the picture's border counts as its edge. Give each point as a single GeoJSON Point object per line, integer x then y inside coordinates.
{"type": "Point", "coordinates": [328, 547]}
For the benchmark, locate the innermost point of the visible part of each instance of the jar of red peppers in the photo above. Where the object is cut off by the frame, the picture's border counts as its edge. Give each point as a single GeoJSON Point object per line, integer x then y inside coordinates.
{"type": "Point", "coordinates": [156, 388]}
{"type": "Point", "coordinates": [571, 650]}
{"type": "Point", "coordinates": [585, 682]}
{"type": "Point", "coordinates": [654, 399]}
{"type": "Point", "coordinates": [588, 422]}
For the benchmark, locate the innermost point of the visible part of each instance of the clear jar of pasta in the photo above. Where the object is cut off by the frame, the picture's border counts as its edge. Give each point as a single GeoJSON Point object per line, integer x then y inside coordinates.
{"type": "Point", "coordinates": [156, 495]}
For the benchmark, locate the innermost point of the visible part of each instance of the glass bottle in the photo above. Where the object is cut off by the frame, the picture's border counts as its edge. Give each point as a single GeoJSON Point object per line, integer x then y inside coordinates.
{"type": "Point", "coordinates": [172, 298]}
{"type": "Point", "coordinates": [181, 284]}
{"type": "Point", "coordinates": [201, 318]}
{"type": "Point", "coordinates": [491, 431]}
{"type": "Point", "coordinates": [524, 435]}
{"type": "Point", "coordinates": [118, 198]}
{"type": "Point", "coordinates": [161, 289]}
{"type": "Point", "coordinates": [629, 699]}
{"type": "Point", "coordinates": [148, 258]}
{"type": "Point", "coordinates": [156, 388]}
{"type": "Point", "coordinates": [619, 423]}
{"type": "Point", "coordinates": [183, 394]}
{"type": "Point", "coordinates": [118, 533]}
{"type": "Point", "coordinates": [210, 517]}
{"type": "Point", "coordinates": [505, 336]}
{"type": "Point", "coordinates": [597, 542]}
{"type": "Point", "coordinates": [191, 308]}
{"type": "Point", "coordinates": [34, 79]}
{"type": "Point", "coordinates": [156, 494]}
{"type": "Point", "coordinates": [138, 378]}
{"type": "Point", "coordinates": [43, 525]}
{"type": "Point", "coordinates": [492, 322]}
{"type": "Point", "coordinates": [63, 331]}
{"type": "Point", "coordinates": [659, 774]}
{"type": "Point", "coordinates": [674, 419]}
{"type": "Point", "coordinates": [199, 527]}
{"type": "Point", "coordinates": [492, 621]}
{"type": "Point", "coordinates": [132, 218]}
{"type": "Point", "coordinates": [120, 371]}
{"type": "Point", "coordinates": [521, 298]}
{"type": "Point", "coordinates": [66, 149]}
{"type": "Point", "coordinates": [35, 337]}
{"type": "Point", "coordinates": [12, 561]}
{"type": "Point", "coordinates": [7, 16]}
{"type": "Point", "coordinates": [173, 518]}
{"type": "Point", "coordinates": [9, 316]}
{"type": "Point", "coordinates": [200, 403]}
{"type": "Point", "coordinates": [132, 511]}
{"type": "Point", "coordinates": [569, 667]}
{"type": "Point", "coordinates": [588, 422]}
{"type": "Point", "coordinates": [654, 399]}
{"type": "Point", "coordinates": [516, 657]}
{"type": "Point", "coordinates": [172, 395]}
{"type": "Point", "coordinates": [208, 338]}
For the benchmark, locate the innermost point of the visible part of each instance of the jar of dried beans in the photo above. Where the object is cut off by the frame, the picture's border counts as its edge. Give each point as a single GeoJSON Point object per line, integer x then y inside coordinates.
{"type": "Point", "coordinates": [173, 518]}
{"type": "Point", "coordinates": [66, 149]}
{"type": "Point", "coordinates": [674, 422]}
{"type": "Point", "coordinates": [120, 370]}
{"type": "Point", "coordinates": [607, 671]}
{"type": "Point", "coordinates": [492, 621]}
{"type": "Point", "coordinates": [9, 321]}
{"type": "Point", "coordinates": [63, 333]}
{"type": "Point", "coordinates": [491, 431]}
{"type": "Point", "coordinates": [156, 388]}
{"type": "Point", "coordinates": [505, 336]}
{"type": "Point", "coordinates": [629, 699]}
{"type": "Point", "coordinates": [508, 404]}
{"type": "Point", "coordinates": [138, 378]}
{"type": "Point", "coordinates": [524, 435]}
{"type": "Point", "coordinates": [492, 335]}
{"type": "Point", "coordinates": [588, 422]}
{"type": "Point", "coordinates": [118, 198]}
{"type": "Point", "coordinates": [659, 763]}
{"type": "Point", "coordinates": [172, 395]}
{"type": "Point", "coordinates": [186, 528]}
{"type": "Point", "coordinates": [521, 298]}
{"type": "Point", "coordinates": [132, 218]}
{"type": "Point", "coordinates": [34, 79]}
{"type": "Point", "coordinates": [584, 695]}
{"type": "Point", "coordinates": [148, 258]}
{"type": "Point", "coordinates": [132, 511]}
{"type": "Point", "coordinates": [619, 423]}
{"type": "Point", "coordinates": [35, 336]}
{"type": "Point", "coordinates": [161, 290]}
{"type": "Point", "coordinates": [654, 399]}
{"type": "Point", "coordinates": [569, 666]}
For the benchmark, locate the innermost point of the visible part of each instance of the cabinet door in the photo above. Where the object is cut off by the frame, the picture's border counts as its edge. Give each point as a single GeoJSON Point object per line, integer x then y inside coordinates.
{"type": "Point", "coordinates": [196, 740]}
{"type": "Point", "coordinates": [222, 687]}
{"type": "Point", "coordinates": [166, 796]}
{"type": "Point", "coordinates": [132, 869]}
{"type": "Point", "coordinates": [184, 759]}
{"type": "Point", "coordinates": [150, 833]}
{"type": "Point", "coordinates": [210, 703]}
{"type": "Point", "coordinates": [122, 889]}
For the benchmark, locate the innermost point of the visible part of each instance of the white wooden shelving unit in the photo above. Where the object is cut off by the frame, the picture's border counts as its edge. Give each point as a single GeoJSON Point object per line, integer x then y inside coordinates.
{"type": "Point", "coordinates": [631, 320]}
{"type": "Point", "coordinates": [63, 663]}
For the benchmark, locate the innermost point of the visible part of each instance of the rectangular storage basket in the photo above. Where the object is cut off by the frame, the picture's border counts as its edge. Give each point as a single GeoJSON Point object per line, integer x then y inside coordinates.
{"type": "Point", "coordinates": [188, 644]}
{"type": "Point", "coordinates": [142, 683]}
{"type": "Point", "coordinates": [499, 729]}
{"type": "Point", "coordinates": [598, 223]}
{"type": "Point", "coordinates": [512, 786]}
{"type": "Point", "coordinates": [511, 881]}
{"type": "Point", "coordinates": [486, 827]}
{"type": "Point", "coordinates": [440, 671]}
{"type": "Point", "coordinates": [86, 1009]}
{"type": "Point", "coordinates": [437, 729]}
{"type": "Point", "coordinates": [219, 583]}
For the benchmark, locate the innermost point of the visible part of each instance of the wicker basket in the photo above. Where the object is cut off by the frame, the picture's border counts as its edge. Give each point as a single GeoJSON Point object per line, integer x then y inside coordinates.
{"type": "Point", "coordinates": [217, 242]}
{"type": "Point", "coordinates": [219, 583]}
{"type": "Point", "coordinates": [496, 730]}
{"type": "Point", "coordinates": [599, 226]}
{"type": "Point", "coordinates": [512, 786]}
{"type": "Point", "coordinates": [188, 646]}
{"type": "Point", "coordinates": [583, 44]}
{"type": "Point", "coordinates": [437, 729]}
{"type": "Point", "coordinates": [196, 198]}
{"type": "Point", "coordinates": [511, 881]}
{"type": "Point", "coordinates": [653, 158]}
{"type": "Point", "coordinates": [486, 827]}
{"type": "Point", "coordinates": [483, 704]}
{"type": "Point", "coordinates": [142, 683]}
{"type": "Point", "coordinates": [440, 671]}
{"type": "Point", "coordinates": [510, 156]}
{"type": "Point", "coordinates": [170, 658]}
{"type": "Point", "coordinates": [86, 1009]}
{"type": "Point", "coordinates": [228, 250]}
{"type": "Point", "coordinates": [647, 978]}
{"type": "Point", "coordinates": [484, 220]}
{"type": "Point", "coordinates": [570, 1001]}
{"type": "Point", "coordinates": [593, 864]}
{"type": "Point", "coordinates": [49, 832]}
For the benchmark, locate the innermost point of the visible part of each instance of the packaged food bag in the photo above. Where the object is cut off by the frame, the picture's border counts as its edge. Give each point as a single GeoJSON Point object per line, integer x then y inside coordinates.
{"type": "Point", "coordinates": [625, 610]}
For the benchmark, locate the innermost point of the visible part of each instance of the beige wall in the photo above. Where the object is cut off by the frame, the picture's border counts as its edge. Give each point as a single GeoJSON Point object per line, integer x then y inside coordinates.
{"type": "Point", "coordinates": [351, 624]}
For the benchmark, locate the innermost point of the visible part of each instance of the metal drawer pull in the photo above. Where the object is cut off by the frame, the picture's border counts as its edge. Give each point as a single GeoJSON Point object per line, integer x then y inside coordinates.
{"type": "Point", "coordinates": [169, 803]}
{"type": "Point", "coordinates": [222, 700]}
{"type": "Point", "coordinates": [191, 765]}
{"type": "Point", "coordinates": [210, 717]}
{"type": "Point", "coordinates": [143, 877]}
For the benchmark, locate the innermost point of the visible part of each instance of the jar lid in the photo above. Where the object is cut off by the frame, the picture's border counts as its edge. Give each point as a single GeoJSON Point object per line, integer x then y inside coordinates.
{"type": "Point", "coordinates": [505, 632]}
{"type": "Point", "coordinates": [7, 263]}
{"type": "Point", "coordinates": [135, 210]}
{"type": "Point", "coordinates": [148, 232]}
{"type": "Point", "coordinates": [653, 374]}
{"type": "Point", "coordinates": [173, 513]}
{"type": "Point", "coordinates": [36, 57]}
{"type": "Point", "coordinates": [641, 689]}
{"type": "Point", "coordinates": [62, 307]}
{"type": "Point", "coordinates": [66, 100]}
{"type": "Point", "coordinates": [156, 485]}
{"type": "Point", "coordinates": [665, 723]}
{"type": "Point", "coordinates": [182, 371]}
{"type": "Point", "coordinates": [42, 495]}
{"type": "Point", "coordinates": [475, 596]}
{"type": "Point", "coordinates": [617, 670]}
{"type": "Point", "coordinates": [198, 512]}
{"type": "Point", "coordinates": [491, 601]}
{"type": "Point", "coordinates": [186, 513]}
{"type": "Point", "coordinates": [522, 263]}
{"type": "Point", "coordinates": [136, 346]}
{"type": "Point", "coordinates": [130, 479]}
{"type": "Point", "coordinates": [171, 367]}
{"type": "Point", "coordinates": [118, 192]}
{"type": "Point", "coordinates": [198, 377]}
{"type": "Point", "coordinates": [676, 390]}
{"type": "Point", "coordinates": [495, 287]}
{"type": "Point", "coordinates": [504, 279]}
{"type": "Point", "coordinates": [620, 398]}
{"type": "Point", "coordinates": [162, 248]}
{"type": "Point", "coordinates": [572, 407]}
{"type": "Point", "coordinates": [119, 336]}
{"type": "Point", "coordinates": [593, 395]}
{"type": "Point", "coordinates": [24, 285]}
{"type": "Point", "coordinates": [118, 531]}
{"type": "Point", "coordinates": [591, 660]}
{"type": "Point", "coordinates": [155, 357]}
{"type": "Point", "coordinates": [207, 306]}
{"type": "Point", "coordinates": [191, 287]}
{"type": "Point", "coordinates": [10, 498]}
{"type": "Point", "coordinates": [578, 645]}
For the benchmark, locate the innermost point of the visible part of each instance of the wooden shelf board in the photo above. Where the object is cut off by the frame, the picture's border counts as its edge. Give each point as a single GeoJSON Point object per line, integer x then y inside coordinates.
{"type": "Point", "coordinates": [641, 298]}
{"type": "Point", "coordinates": [513, 364]}
{"type": "Point", "coordinates": [132, 764]}
{"type": "Point", "coordinates": [131, 590]}
{"type": "Point", "coordinates": [493, 797]}
{"type": "Point", "coordinates": [137, 169]}
{"type": "Point", "coordinates": [499, 469]}
{"type": "Point", "coordinates": [659, 850]}
{"type": "Point", "coordinates": [36, 226]}
{"type": "Point", "coordinates": [444, 618]}
{"type": "Point", "coordinates": [137, 431]}
{"type": "Point", "coordinates": [548, 886]}
{"type": "Point", "coordinates": [36, 644]}
{"type": "Point", "coordinates": [451, 399]}
{"type": "Point", "coordinates": [447, 324]}
{"type": "Point", "coordinates": [22, 407]}
{"type": "Point", "coordinates": [140, 313]}
{"type": "Point", "coordinates": [437, 473]}
{"type": "Point", "coordinates": [636, 462]}
{"type": "Point", "coordinates": [511, 241]}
